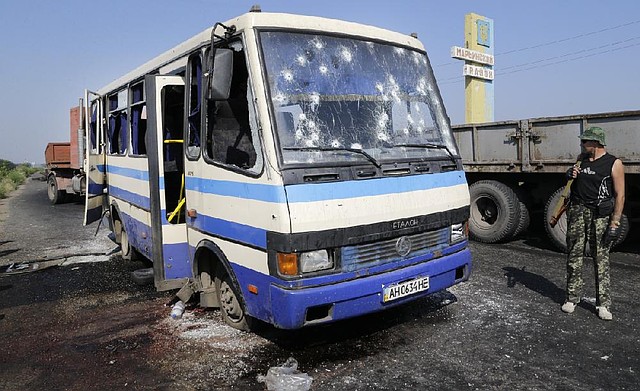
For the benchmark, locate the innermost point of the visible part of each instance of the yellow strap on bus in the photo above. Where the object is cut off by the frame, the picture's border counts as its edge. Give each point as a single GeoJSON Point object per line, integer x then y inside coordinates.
{"type": "Point", "coordinates": [173, 141]}
{"type": "Point", "coordinates": [176, 211]}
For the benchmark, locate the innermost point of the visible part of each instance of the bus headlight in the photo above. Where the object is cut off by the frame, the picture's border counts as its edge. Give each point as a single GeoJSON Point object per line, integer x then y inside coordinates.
{"type": "Point", "coordinates": [292, 264]}
{"type": "Point", "coordinates": [313, 261]}
{"type": "Point", "coordinates": [458, 233]}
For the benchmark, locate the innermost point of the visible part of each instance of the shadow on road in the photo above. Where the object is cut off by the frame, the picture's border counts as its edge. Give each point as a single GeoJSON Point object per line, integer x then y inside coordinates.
{"type": "Point", "coordinates": [426, 309]}
{"type": "Point", "coordinates": [4, 253]}
{"type": "Point", "coordinates": [535, 282]}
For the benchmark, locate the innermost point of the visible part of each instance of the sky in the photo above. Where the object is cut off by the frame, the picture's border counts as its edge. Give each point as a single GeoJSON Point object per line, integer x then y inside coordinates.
{"type": "Point", "coordinates": [552, 57]}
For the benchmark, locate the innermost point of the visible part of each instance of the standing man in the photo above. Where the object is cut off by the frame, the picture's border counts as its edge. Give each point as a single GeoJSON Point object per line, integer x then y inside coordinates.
{"type": "Point", "coordinates": [595, 209]}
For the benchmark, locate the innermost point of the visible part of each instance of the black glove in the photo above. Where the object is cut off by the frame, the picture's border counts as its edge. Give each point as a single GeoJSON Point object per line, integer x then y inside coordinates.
{"type": "Point", "coordinates": [610, 236]}
{"type": "Point", "coordinates": [570, 173]}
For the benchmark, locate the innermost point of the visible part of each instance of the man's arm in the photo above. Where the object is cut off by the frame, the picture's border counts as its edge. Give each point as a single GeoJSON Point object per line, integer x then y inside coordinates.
{"type": "Point", "coordinates": [617, 174]}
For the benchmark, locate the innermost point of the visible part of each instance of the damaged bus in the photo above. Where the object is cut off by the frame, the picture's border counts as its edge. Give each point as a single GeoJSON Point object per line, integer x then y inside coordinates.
{"type": "Point", "coordinates": [291, 169]}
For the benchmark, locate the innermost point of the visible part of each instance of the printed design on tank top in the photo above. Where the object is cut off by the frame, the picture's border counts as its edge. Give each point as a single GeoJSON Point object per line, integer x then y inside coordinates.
{"type": "Point", "coordinates": [603, 190]}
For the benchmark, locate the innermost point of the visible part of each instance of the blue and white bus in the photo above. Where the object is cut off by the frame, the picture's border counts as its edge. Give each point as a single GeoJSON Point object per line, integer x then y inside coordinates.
{"type": "Point", "coordinates": [292, 169]}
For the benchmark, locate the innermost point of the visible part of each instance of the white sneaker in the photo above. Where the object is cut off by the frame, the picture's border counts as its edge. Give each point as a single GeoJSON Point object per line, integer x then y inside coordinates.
{"type": "Point", "coordinates": [568, 307]}
{"type": "Point", "coordinates": [604, 314]}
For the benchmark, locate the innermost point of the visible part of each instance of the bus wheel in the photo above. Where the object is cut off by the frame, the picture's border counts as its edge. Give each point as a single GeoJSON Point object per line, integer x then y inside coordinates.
{"type": "Point", "coordinates": [230, 304]}
{"type": "Point", "coordinates": [125, 247]}
{"type": "Point", "coordinates": [495, 212]}
{"type": "Point", "coordinates": [55, 195]}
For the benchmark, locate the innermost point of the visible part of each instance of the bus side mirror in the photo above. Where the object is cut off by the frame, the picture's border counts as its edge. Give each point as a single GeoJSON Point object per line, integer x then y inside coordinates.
{"type": "Point", "coordinates": [221, 75]}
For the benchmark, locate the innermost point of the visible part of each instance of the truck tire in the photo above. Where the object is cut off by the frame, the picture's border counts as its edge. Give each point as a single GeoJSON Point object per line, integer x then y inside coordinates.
{"type": "Point", "coordinates": [56, 196]}
{"type": "Point", "coordinates": [495, 212]}
{"type": "Point", "coordinates": [558, 234]}
{"type": "Point", "coordinates": [525, 217]}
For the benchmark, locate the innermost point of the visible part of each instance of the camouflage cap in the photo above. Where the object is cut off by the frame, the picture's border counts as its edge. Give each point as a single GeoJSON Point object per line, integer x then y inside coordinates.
{"type": "Point", "coordinates": [594, 133]}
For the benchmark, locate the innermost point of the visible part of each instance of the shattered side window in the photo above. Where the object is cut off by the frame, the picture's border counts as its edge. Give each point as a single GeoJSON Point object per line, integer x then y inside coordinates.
{"type": "Point", "coordinates": [339, 94]}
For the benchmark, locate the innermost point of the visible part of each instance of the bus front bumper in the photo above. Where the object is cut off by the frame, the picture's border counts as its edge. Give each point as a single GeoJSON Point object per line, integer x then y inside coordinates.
{"type": "Point", "coordinates": [295, 308]}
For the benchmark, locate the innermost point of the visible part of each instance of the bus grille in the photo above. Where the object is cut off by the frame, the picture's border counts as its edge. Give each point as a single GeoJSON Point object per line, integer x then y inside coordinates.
{"type": "Point", "coordinates": [378, 253]}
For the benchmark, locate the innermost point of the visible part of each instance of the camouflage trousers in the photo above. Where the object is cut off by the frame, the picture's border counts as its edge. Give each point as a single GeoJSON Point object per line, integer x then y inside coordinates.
{"type": "Point", "coordinates": [583, 226]}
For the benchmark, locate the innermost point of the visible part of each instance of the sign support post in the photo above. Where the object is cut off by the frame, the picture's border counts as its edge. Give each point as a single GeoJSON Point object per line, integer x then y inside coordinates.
{"type": "Point", "coordinates": [478, 68]}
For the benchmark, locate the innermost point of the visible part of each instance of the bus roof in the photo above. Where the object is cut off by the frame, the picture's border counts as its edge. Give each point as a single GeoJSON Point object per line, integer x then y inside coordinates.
{"type": "Point", "coordinates": [176, 56]}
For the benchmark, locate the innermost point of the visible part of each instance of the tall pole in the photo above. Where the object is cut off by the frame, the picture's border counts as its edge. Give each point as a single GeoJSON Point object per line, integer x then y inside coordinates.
{"type": "Point", "coordinates": [479, 98]}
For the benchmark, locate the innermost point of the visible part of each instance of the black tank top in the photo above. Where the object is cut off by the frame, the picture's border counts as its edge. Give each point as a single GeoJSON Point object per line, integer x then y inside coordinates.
{"type": "Point", "coordinates": [594, 182]}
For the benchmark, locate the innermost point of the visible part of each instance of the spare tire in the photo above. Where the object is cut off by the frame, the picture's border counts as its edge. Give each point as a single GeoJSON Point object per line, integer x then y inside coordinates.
{"type": "Point", "coordinates": [558, 234]}
{"type": "Point", "coordinates": [495, 212]}
{"type": "Point", "coordinates": [142, 276]}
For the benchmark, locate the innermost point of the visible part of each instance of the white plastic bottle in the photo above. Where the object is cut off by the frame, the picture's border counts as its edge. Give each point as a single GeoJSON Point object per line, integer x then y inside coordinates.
{"type": "Point", "coordinates": [177, 310]}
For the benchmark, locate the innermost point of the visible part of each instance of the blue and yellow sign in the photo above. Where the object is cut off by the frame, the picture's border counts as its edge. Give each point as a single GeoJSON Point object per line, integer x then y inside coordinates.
{"type": "Point", "coordinates": [484, 33]}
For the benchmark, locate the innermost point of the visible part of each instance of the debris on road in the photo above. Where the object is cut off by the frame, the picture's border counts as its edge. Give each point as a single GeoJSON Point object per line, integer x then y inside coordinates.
{"type": "Point", "coordinates": [286, 377]}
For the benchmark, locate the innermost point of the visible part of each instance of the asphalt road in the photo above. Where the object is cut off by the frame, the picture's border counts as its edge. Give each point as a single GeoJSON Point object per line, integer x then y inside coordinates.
{"type": "Point", "coordinates": [81, 326]}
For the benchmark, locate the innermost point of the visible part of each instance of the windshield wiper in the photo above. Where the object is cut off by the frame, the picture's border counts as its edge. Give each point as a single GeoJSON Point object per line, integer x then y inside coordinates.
{"type": "Point", "coordinates": [354, 150]}
{"type": "Point", "coordinates": [430, 146]}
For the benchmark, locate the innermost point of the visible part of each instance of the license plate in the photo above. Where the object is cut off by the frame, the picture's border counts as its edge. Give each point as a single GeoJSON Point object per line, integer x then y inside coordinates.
{"type": "Point", "coordinates": [403, 289]}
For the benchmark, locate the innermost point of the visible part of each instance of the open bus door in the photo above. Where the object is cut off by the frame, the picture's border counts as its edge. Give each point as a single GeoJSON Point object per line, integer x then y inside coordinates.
{"type": "Point", "coordinates": [95, 158]}
{"type": "Point", "coordinates": [165, 135]}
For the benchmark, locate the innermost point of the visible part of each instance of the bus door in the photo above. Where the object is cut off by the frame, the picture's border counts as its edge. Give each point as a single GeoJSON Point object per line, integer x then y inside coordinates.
{"type": "Point", "coordinates": [165, 135]}
{"type": "Point", "coordinates": [94, 164]}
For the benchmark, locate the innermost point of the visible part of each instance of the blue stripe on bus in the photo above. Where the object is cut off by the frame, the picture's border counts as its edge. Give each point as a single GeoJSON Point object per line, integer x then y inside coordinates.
{"type": "Point", "coordinates": [133, 198]}
{"type": "Point", "coordinates": [142, 175]}
{"type": "Point", "coordinates": [372, 187]}
{"type": "Point", "coordinates": [95, 188]}
{"type": "Point", "coordinates": [252, 191]}
{"type": "Point", "coordinates": [325, 191]}
{"type": "Point", "coordinates": [254, 236]}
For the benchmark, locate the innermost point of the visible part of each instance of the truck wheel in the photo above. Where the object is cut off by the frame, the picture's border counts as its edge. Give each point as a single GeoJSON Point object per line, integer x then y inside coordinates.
{"type": "Point", "coordinates": [558, 234]}
{"type": "Point", "coordinates": [495, 212]}
{"type": "Point", "coordinates": [525, 217]}
{"type": "Point", "coordinates": [56, 196]}
{"type": "Point", "coordinates": [231, 306]}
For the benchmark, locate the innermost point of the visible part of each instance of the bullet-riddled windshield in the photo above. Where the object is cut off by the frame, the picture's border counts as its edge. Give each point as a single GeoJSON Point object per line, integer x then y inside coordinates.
{"type": "Point", "coordinates": [347, 100]}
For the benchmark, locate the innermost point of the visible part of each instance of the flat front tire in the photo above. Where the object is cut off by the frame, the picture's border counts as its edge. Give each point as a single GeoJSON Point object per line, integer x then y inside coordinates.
{"type": "Point", "coordinates": [231, 306]}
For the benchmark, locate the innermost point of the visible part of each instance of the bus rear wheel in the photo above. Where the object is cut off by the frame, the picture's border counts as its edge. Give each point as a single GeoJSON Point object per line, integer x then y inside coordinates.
{"type": "Point", "coordinates": [231, 306]}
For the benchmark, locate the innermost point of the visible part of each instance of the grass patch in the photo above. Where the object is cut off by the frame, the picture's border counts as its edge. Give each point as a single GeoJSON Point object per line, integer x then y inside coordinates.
{"type": "Point", "coordinates": [13, 175]}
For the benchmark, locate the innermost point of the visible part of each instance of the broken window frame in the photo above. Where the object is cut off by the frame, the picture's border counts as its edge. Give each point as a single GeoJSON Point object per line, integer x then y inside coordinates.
{"type": "Point", "coordinates": [117, 126]}
{"type": "Point", "coordinates": [138, 123]}
{"type": "Point", "coordinates": [195, 98]}
{"type": "Point", "coordinates": [208, 139]}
